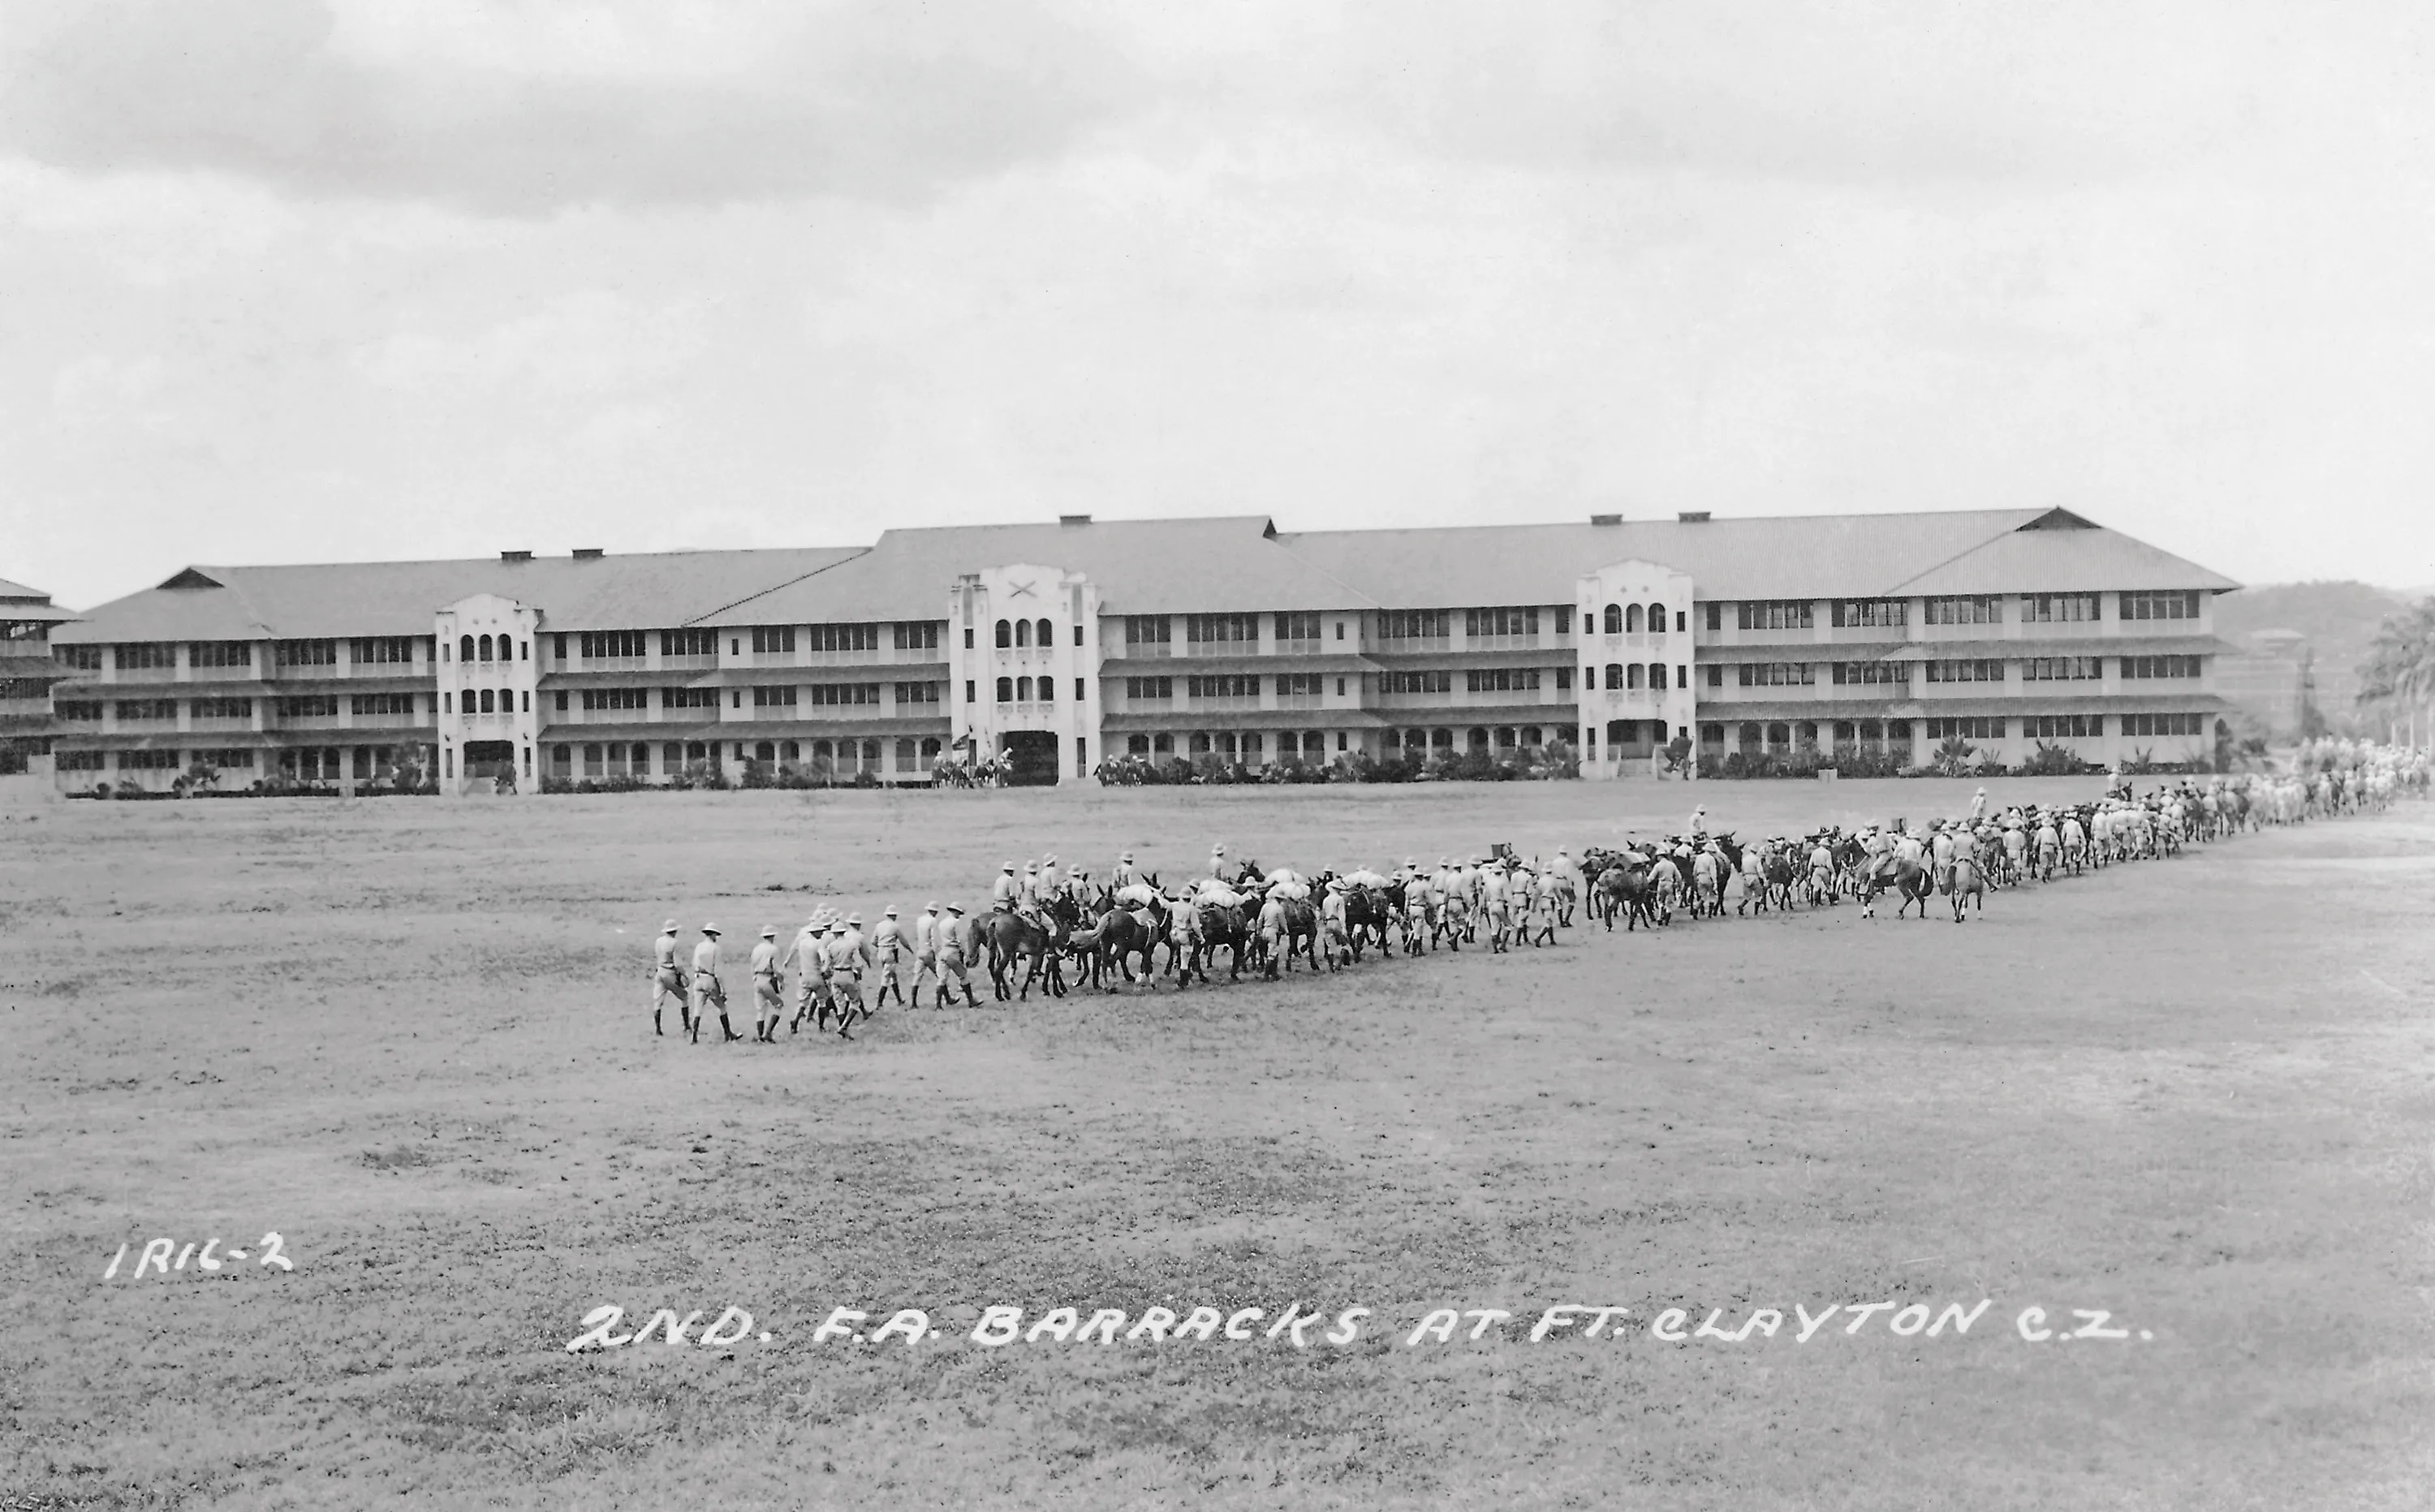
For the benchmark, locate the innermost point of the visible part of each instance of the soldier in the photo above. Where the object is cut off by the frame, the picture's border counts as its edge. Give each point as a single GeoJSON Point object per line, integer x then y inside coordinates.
{"type": "Point", "coordinates": [767, 994]}
{"type": "Point", "coordinates": [954, 950]}
{"type": "Point", "coordinates": [847, 955]}
{"type": "Point", "coordinates": [1004, 891]}
{"type": "Point", "coordinates": [1126, 873]}
{"type": "Point", "coordinates": [888, 942]}
{"type": "Point", "coordinates": [669, 979]}
{"type": "Point", "coordinates": [811, 981]}
{"type": "Point", "coordinates": [707, 990]}
{"type": "Point", "coordinates": [926, 929]}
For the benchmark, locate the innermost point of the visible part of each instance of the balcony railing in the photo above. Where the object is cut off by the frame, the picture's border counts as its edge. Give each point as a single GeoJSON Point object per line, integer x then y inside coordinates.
{"type": "Point", "coordinates": [307, 672]}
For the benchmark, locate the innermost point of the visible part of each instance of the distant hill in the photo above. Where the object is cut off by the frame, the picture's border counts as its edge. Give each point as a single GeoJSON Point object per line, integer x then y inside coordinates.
{"type": "Point", "coordinates": [2339, 619]}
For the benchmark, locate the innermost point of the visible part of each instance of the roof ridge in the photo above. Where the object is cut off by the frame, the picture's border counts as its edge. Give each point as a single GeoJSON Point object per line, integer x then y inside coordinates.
{"type": "Point", "coordinates": [854, 554]}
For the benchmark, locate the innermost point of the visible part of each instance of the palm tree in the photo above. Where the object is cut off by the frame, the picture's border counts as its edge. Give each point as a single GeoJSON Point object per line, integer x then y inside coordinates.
{"type": "Point", "coordinates": [2400, 668]}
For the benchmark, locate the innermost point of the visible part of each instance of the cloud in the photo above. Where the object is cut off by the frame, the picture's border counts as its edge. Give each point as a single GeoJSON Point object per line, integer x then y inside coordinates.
{"type": "Point", "coordinates": [863, 99]}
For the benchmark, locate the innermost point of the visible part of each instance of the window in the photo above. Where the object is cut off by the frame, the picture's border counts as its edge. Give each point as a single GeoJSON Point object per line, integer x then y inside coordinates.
{"type": "Point", "coordinates": [1005, 640]}
{"type": "Point", "coordinates": [1990, 727]}
{"type": "Point", "coordinates": [78, 761]}
{"type": "Point", "coordinates": [2062, 668]}
{"type": "Point", "coordinates": [2160, 606]}
{"type": "Point", "coordinates": [486, 647]}
{"type": "Point", "coordinates": [1967, 609]}
{"type": "Point", "coordinates": [1439, 680]}
{"type": "Point", "coordinates": [465, 648]}
{"type": "Point", "coordinates": [147, 711]}
{"type": "Point", "coordinates": [1563, 680]}
{"type": "Point", "coordinates": [1415, 624]}
{"type": "Point", "coordinates": [1221, 628]}
{"type": "Point", "coordinates": [769, 640]}
{"type": "Point", "coordinates": [837, 695]}
{"type": "Point", "coordinates": [764, 697]}
{"type": "Point", "coordinates": [1632, 619]}
{"type": "Point", "coordinates": [148, 761]}
{"type": "Point", "coordinates": [1777, 614]}
{"type": "Point", "coordinates": [917, 635]}
{"type": "Point", "coordinates": [688, 642]}
{"type": "Point", "coordinates": [77, 657]}
{"type": "Point", "coordinates": [143, 656]}
{"type": "Point", "coordinates": [1952, 670]}
{"type": "Point", "coordinates": [1149, 689]}
{"type": "Point", "coordinates": [243, 708]}
{"type": "Point", "coordinates": [1045, 636]}
{"type": "Point", "coordinates": [1298, 625]}
{"type": "Point", "coordinates": [240, 653]}
{"type": "Point", "coordinates": [1300, 686]}
{"type": "Point", "coordinates": [1778, 674]}
{"type": "Point", "coordinates": [307, 653]}
{"type": "Point", "coordinates": [2057, 609]}
{"type": "Point", "coordinates": [1715, 674]}
{"type": "Point", "coordinates": [1615, 619]}
{"type": "Point", "coordinates": [1871, 613]}
{"type": "Point", "coordinates": [369, 651]}
{"type": "Point", "coordinates": [2160, 666]}
{"type": "Point", "coordinates": [1862, 674]}
{"type": "Point", "coordinates": [969, 687]}
{"type": "Point", "coordinates": [1146, 629]}
{"type": "Point", "coordinates": [684, 698]}
{"type": "Point", "coordinates": [2062, 727]}
{"type": "Point", "coordinates": [488, 707]}
{"type": "Point", "coordinates": [77, 713]}
{"type": "Point", "coordinates": [1225, 685]}
{"type": "Point", "coordinates": [598, 698]}
{"type": "Point", "coordinates": [1503, 679]}
{"type": "Point", "coordinates": [912, 693]}
{"type": "Point", "coordinates": [2164, 723]}
{"type": "Point", "coordinates": [1480, 622]}
{"type": "Point", "coordinates": [307, 706]}
{"type": "Point", "coordinates": [360, 704]}
{"type": "Point", "coordinates": [223, 760]}
{"type": "Point", "coordinates": [1715, 615]}
{"type": "Point", "coordinates": [1614, 676]}
{"type": "Point", "coordinates": [836, 638]}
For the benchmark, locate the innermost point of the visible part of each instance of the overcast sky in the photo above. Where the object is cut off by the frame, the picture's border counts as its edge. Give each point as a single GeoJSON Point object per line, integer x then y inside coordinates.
{"type": "Point", "coordinates": [334, 280]}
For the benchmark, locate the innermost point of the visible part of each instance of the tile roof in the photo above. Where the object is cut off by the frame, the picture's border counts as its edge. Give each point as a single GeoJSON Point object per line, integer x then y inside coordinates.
{"type": "Point", "coordinates": [1220, 564]}
{"type": "Point", "coordinates": [664, 589]}
{"type": "Point", "coordinates": [1854, 556]}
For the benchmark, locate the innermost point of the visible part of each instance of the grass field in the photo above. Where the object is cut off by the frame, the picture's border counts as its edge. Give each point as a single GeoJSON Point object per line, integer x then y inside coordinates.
{"type": "Point", "coordinates": [412, 1039]}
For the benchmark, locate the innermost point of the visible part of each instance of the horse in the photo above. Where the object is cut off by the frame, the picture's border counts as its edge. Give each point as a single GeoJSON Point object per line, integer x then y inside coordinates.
{"type": "Point", "coordinates": [1907, 877]}
{"type": "Point", "coordinates": [1215, 925]}
{"type": "Point", "coordinates": [1627, 890]}
{"type": "Point", "coordinates": [1041, 945]}
{"type": "Point", "coordinates": [1968, 884]}
{"type": "Point", "coordinates": [1778, 871]}
{"type": "Point", "coordinates": [1367, 914]}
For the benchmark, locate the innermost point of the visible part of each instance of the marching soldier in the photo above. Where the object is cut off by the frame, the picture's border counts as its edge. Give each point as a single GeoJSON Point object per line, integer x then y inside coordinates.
{"type": "Point", "coordinates": [669, 979]}
{"type": "Point", "coordinates": [768, 996]}
{"type": "Point", "coordinates": [926, 929]}
{"type": "Point", "coordinates": [888, 942]}
{"type": "Point", "coordinates": [707, 990]}
{"type": "Point", "coordinates": [954, 950]}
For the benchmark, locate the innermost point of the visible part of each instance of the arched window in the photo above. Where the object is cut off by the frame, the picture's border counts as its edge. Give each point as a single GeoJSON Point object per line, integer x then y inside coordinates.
{"type": "Point", "coordinates": [1251, 745]}
{"type": "Point", "coordinates": [871, 755]}
{"type": "Point", "coordinates": [823, 751]}
{"type": "Point", "coordinates": [1505, 737]}
{"type": "Point", "coordinates": [1531, 735]}
{"type": "Point", "coordinates": [1657, 674]}
{"type": "Point", "coordinates": [1656, 619]}
{"type": "Point", "coordinates": [1442, 740]}
{"type": "Point", "coordinates": [485, 643]}
{"type": "Point", "coordinates": [1005, 685]}
{"type": "Point", "coordinates": [1615, 619]}
{"type": "Point", "coordinates": [464, 649]}
{"type": "Point", "coordinates": [1807, 733]}
{"type": "Point", "coordinates": [1200, 743]}
{"type": "Point", "coordinates": [1779, 737]}
{"type": "Point", "coordinates": [1633, 675]}
{"type": "Point", "coordinates": [1136, 745]}
{"type": "Point", "coordinates": [1747, 737]}
{"type": "Point", "coordinates": [789, 751]}
{"type": "Point", "coordinates": [1047, 690]}
{"type": "Point", "coordinates": [485, 705]}
{"type": "Point", "coordinates": [1475, 738]}
{"type": "Point", "coordinates": [1023, 632]}
{"type": "Point", "coordinates": [1023, 690]}
{"type": "Point", "coordinates": [1314, 745]}
{"type": "Point", "coordinates": [1045, 636]}
{"type": "Point", "coordinates": [1614, 674]}
{"type": "Point", "coordinates": [930, 747]}
{"type": "Point", "coordinates": [1632, 619]}
{"type": "Point", "coordinates": [506, 697]}
{"type": "Point", "coordinates": [1005, 635]}
{"type": "Point", "coordinates": [1226, 743]}
{"type": "Point", "coordinates": [764, 751]}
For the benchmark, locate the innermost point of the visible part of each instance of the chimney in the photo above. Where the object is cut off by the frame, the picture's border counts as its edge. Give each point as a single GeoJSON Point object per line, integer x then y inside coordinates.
{"type": "Point", "coordinates": [1692, 517]}
{"type": "Point", "coordinates": [1072, 519]}
{"type": "Point", "coordinates": [516, 555]}
{"type": "Point", "coordinates": [1606, 519]}
{"type": "Point", "coordinates": [587, 554]}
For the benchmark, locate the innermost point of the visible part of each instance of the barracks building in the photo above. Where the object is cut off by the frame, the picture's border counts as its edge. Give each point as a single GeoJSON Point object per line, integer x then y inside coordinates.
{"type": "Point", "coordinates": [1063, 645]}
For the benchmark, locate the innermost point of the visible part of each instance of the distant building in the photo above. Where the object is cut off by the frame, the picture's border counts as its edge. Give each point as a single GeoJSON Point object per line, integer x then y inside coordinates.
{"type": "Point", "coordinates": [26, 672]}
{"type": "Point", "coordinates": [2271, 678]}
{"type": "Point", "coordinates": [1064, 645]}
